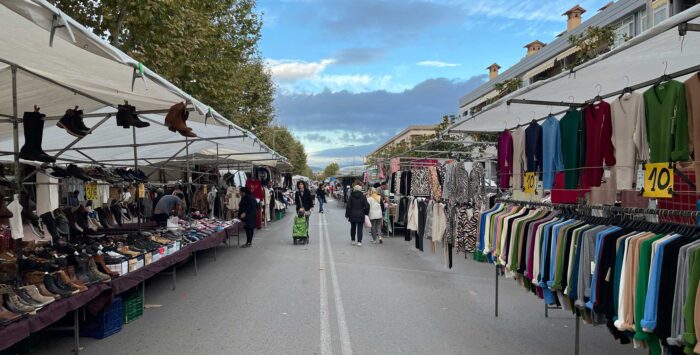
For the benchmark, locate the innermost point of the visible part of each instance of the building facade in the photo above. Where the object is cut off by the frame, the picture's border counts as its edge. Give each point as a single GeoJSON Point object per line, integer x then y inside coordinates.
{"type": "Point", "coordinates": [407, 136]}
{"type": "Point", "coordinates": [627, 18]}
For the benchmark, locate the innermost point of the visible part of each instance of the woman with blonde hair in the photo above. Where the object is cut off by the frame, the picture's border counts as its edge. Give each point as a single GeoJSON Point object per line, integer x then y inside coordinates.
{"type": "Point", "coordinates": [375, 214]}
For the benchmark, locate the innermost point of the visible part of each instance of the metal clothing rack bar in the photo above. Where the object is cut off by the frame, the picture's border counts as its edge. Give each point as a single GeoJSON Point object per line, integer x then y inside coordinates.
{"type": "Point", "coordinates": [154, 143]}
{"type": "Point", "coordinates": [641, 85]}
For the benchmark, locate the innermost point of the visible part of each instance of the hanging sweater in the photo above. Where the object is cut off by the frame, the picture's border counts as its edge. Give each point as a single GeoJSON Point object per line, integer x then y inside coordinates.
{"type": "Point", "coordinates": [692, 98]}
{"type": "Point", "coordinates": [533, 147]}
{"type": "Point", "coordinates": [599, 147]}
{"type": "Point", "coordinates": [505, 159]}
{"type": "Point", "coordinates": [667, 122]}
{"type": "Point", "coordinates": [573, 132]}
{"type": "Point", "coordinates": [519, 159]}
{"type": "Point", "coordinates": [628, 117]}
{"type": "Point", "coordinates": [551, 151]}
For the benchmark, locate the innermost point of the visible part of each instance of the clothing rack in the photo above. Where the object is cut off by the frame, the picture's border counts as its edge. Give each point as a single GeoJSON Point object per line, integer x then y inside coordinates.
{"type": "Point", "coordinates": [641, 85]}
{"type": "Point", "coordinates": [587, 208]}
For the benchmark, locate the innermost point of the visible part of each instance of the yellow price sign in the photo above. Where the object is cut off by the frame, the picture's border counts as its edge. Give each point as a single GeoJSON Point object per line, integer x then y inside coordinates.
{"type": "Point", "coordinates": [530, 182]}
{"type": "Point", "coordinates": [658, 180]}
{"type": "Point", "coordinates": [205, 189]}
{"type": "Point", "coordinates": [91, 191]}
{"type": "Point", "coordinates": [141, 191]}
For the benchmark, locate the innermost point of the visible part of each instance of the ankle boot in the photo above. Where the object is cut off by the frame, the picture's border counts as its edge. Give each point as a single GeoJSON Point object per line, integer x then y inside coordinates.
{"type": "Point", "coordinates": [7, 316]}
{"type": "Point", "coordinates": [70, 271]}
{"type": "Point", "coordinates": [175, 120]}
{"type": "Point", "coordinates": [69, 122]}
{"type": "Point", "coordinates": [83, 273]}
{"type": "Point", "coordinates": [68, 282]}
{"type": "Point", "coordinates": [50, 224]}
{"type": "Point", "coordinates": [75, 171]}
{"type": "Point", "coordinates": [96, 272]}
{"type": "Point", "coordinates": [13, 302]}
{"type": "Point", "coordinates": [36, 295]}
{"type": "Point", "coordinates": [53, 288]}
{"type": "Point", "coordinates": [33, 135]}
{"type": "Point", "coordinates": [127, 117]}
{"type": "Point", "coordinates": [58, 281]}
{"type": "Point", "coordinates": [27, 299]}
{"type": "Point", "coordinates": [79, 123]}
{"type": "Point", "coordinates": [102, 266]}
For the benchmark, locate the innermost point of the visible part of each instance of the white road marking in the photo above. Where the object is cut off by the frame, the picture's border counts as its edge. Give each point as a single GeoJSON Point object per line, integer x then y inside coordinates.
{"type": "Point", "coordinates": [345, 345]}
{"type": "Point", "coordinates": [326, 348]}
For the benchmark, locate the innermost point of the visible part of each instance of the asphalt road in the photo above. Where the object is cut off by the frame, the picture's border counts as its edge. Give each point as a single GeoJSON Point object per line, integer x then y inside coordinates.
{"type": "Point", "coordinates": [278, 298]}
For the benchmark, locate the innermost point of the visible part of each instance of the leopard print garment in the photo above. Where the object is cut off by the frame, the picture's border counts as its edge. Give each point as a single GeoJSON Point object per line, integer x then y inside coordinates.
{"type": "Point", "coordinates": [435, 183]}
{"type": "Point", "coordinates": [461, 183]}
{"type": "Point", "coordinates": [450, 228]}
{"type": "Point", "coordinates": [477, 192]}
{"type": "Point", "coordinates": [420, 182]}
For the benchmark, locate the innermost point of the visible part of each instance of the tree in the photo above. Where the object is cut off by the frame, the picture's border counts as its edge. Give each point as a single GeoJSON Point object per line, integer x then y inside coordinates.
{"type": "Point", "coordinates": [209, 48]}
{"type": "Point", "coordinates": [331, 169]}
{"type": "Point", "coordinates": [591, 43]}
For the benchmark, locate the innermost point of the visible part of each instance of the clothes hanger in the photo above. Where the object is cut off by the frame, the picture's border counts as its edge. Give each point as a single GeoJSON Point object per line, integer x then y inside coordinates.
{"type": "Point", "coordinates": [627, 89]}
{"type": "Point", "coordinates": [598, 98]}
{"type": "Point", "coordinates": [665, 77]}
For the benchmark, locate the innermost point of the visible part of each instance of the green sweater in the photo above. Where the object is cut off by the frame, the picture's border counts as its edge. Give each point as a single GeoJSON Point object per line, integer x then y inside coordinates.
{"type": "Point", "coordinates": [640, 295]}
{"type": "Point", "coordinates": [667, 122]}
{"type": "Point", "coordinates": [689, 307]}
{"type": "Point", "coordinates": [573, 133]}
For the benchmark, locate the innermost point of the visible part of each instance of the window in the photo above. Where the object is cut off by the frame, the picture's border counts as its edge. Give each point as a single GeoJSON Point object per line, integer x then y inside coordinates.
{"type": "Point", "coordinates": [660, 13]}
{"type": "Point", "coordinates": [643, 21]}
{"type": "Point", "coordinates": [624, 31]}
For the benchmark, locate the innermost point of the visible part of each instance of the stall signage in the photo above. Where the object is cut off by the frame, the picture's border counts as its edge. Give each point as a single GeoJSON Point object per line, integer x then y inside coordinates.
{"type": "Point", "coordinates": [530, 182]}
{"type": "Point", "coordinates": [658, 180]}
{"type": "Point", "coordinates": [91, 191]}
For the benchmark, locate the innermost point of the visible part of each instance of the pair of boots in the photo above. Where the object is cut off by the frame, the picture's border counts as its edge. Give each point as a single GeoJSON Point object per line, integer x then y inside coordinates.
{"type": "Point", "coordinates": [175, 120]}
{"type": "Point", "coordinates": [33, 123]}
{"type": "Point", "coordinates": [127, 117]}
{"type": "Point", "coordinates": [73, 123]}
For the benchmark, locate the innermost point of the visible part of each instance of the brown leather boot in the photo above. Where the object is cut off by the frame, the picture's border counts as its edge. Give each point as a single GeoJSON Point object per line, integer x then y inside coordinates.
{"type": "Point", "coordinates": [102, 266]}
{"type": "Point", "coordinates": [66, 280]}
{"type": "Point", "coordinates": [7, 316]}
{"type": "Point", "coordinates": [33, 277]}
{"type": "Point", "coordinates": [175, 120]}
{"type": "Point", "coordinates": [70, 271]}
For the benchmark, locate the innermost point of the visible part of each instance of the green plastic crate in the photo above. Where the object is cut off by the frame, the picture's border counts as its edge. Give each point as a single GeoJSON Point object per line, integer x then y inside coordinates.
{"type": "Point", "coordinates": [479, 256]}
{"type": "Point", "coordinates": [133, 308]}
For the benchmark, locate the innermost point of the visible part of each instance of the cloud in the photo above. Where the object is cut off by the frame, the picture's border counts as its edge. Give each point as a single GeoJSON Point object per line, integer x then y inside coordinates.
{"type": "Point", "coordinates": [316, 137]}
{"type": "Point", "coordinates": [374, 111]}
{"type": "Point", "coordinates": [357, 55]}
{"type": "Point", "coordinates": [291, 70]}
{"type": "Point", "coordinates": [437, 64]}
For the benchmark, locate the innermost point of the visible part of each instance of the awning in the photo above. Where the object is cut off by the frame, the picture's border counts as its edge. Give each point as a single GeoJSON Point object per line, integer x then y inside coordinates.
{"type": "Point", "coordinates": [550, 63]}
{"type": "Point", "coordinates": [641, 59]}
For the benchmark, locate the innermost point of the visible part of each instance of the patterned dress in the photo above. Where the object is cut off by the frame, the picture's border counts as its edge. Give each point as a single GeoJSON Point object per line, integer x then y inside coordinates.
{"type": "Point", "coordinates": [461, 228]}
{"type": "Point", "coordinates": [420, 182]}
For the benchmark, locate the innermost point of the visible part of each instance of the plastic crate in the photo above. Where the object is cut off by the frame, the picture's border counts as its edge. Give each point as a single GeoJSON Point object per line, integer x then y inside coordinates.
{"type": "Point", "coordinates": [106, 323]}
{"type": "Point", "coordinates": [479, 256]}
{"type": "Point", "coordinates": [133, 308]}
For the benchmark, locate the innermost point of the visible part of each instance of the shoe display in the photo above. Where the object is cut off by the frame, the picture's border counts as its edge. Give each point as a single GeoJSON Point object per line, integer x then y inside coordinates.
{"type": "Point", "coordinates": [7, 316]}
{"type": "Point", "coordinates": [72, 122]}
{"type": "Point", "coordinates": [127, 117]}
{"type": "Point", "coordinates": [75, 171]}
{"type": "Point", "coordinates": [33, 123]}
{"type": "Point", "coordinates": [175, 120]}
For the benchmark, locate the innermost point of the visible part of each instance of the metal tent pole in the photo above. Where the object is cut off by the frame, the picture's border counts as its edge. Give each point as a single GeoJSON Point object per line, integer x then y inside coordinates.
{"type": "Point", "coordinates": [496, 298]}
{"type": "Point", "coordinates": [15, 136]}
{"type": "Point", "coordinates": [138, 198]}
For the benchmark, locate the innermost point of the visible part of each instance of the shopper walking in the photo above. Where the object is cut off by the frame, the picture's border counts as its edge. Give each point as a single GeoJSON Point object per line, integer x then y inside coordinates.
{"type": "Point", "coordinates": [248, 213]}
{"type": "Point", "coordinates": [303, 199]}
{"type": "Point", "coordinates": [321, 197]}
{"type": "Point", "coordinates": [375, 215]}
{"type": "Point", "coordinates": [355, 211]}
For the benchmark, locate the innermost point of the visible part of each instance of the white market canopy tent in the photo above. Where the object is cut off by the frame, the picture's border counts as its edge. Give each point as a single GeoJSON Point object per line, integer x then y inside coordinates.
{"type": "Point", "coordinates": [75, 67]}
{"type": "Point", "coordinates": [646, 57]}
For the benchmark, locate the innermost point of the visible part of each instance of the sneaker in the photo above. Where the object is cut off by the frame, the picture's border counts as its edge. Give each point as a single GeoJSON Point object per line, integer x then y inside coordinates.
{"type": "Point", "coordinates": [353, 243]}
{"type": "Point", "coordinates": [359, 244]}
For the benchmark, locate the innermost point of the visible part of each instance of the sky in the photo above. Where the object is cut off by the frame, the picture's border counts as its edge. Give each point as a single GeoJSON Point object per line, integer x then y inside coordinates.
{"type": "Point", "coordinates": [350, 74]}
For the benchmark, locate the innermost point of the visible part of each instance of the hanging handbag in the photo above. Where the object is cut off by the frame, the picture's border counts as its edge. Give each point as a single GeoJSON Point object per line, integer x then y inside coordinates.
{"type": "Point", "coordinates": [368, 223]}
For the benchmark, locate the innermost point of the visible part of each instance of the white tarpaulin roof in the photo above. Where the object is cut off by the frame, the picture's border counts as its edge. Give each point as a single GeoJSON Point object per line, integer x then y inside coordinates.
{"type": "Point", "coordinates": [641, 59]}
{"type": "Point", "coordinates": [81, 69]}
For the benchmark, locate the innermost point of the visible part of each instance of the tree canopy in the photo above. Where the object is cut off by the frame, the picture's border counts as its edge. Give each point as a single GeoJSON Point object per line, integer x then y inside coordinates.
{"type": "Point", "coordinates": [331, 169]}
{"type": "Point", "coordinates": [209, 48]}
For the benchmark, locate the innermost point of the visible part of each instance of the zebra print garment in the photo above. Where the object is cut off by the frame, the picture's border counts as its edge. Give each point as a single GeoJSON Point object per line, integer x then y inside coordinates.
{"type": "Point", "coordinates": [461, 228]}
{"type": "Point", "coordinates": [472, 231]}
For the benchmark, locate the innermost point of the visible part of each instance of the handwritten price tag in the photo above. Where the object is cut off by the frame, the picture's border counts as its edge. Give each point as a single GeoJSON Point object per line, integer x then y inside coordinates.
{"type": "Point", "coordinates": [530, 182]}
{"type": "Point", "coordinates": [91, 191]}
{"type": "Point", "coordinates": [658, 180]}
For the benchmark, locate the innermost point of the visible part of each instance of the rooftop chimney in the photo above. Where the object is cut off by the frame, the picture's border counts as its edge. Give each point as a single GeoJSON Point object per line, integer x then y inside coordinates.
{"type": "Point", "coordinates": [534, 47]}
{"type": "Point", "coordinates": [493, 70]}
{"type": "Point", "coordinates": [573, 17]}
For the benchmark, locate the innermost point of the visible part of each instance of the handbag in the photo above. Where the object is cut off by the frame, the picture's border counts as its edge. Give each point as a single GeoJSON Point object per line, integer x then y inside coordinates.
{"type": "Point", "coordinates": [368, 223]}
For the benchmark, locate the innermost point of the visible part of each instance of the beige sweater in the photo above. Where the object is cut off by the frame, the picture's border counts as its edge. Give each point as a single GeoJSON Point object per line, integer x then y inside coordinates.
{"type": "Point", "coordinates": [628, 121]}
{"type": "Point", "coordinates": [519, 160]}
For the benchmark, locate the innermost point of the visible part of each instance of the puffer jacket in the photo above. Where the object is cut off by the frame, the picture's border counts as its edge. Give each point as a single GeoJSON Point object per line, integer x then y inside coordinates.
{"type": "Point", "coordinates": [357, 207]}
{"type": "Point", "coordinates": [375, 208]}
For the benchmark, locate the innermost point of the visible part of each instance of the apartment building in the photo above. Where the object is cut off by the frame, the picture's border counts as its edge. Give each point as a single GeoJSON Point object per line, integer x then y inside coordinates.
{"type": "Point", "coordinates": [541, 61]}
{"type": "Point", "coordinates": [408, 135]}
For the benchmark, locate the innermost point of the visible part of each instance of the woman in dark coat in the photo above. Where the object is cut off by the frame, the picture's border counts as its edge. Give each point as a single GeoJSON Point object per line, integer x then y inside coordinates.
{"type": "Point", "coordinates": [248, 212]}
{"type": "Point", "coordinates": [355, 211]}
{"type": "Point", "coordinates": [302, 198]}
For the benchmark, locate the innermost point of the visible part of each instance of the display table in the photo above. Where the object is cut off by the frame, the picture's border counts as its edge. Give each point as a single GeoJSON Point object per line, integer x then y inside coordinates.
{"type": "Point", "coordinates": [100, 295]}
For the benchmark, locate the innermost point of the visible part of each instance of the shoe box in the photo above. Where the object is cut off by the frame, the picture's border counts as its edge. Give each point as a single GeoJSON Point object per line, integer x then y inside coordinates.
{"type": "Point", "coordinates": [120, 268]}
{"type": "Point", "coordinates": [136, 263]}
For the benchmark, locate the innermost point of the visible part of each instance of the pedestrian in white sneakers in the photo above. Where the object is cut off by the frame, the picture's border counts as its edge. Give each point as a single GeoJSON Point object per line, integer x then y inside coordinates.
{"type": "Point", "coordinates": [375, 214]}
{"type": "Point", "coordinates": [355, 211]}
